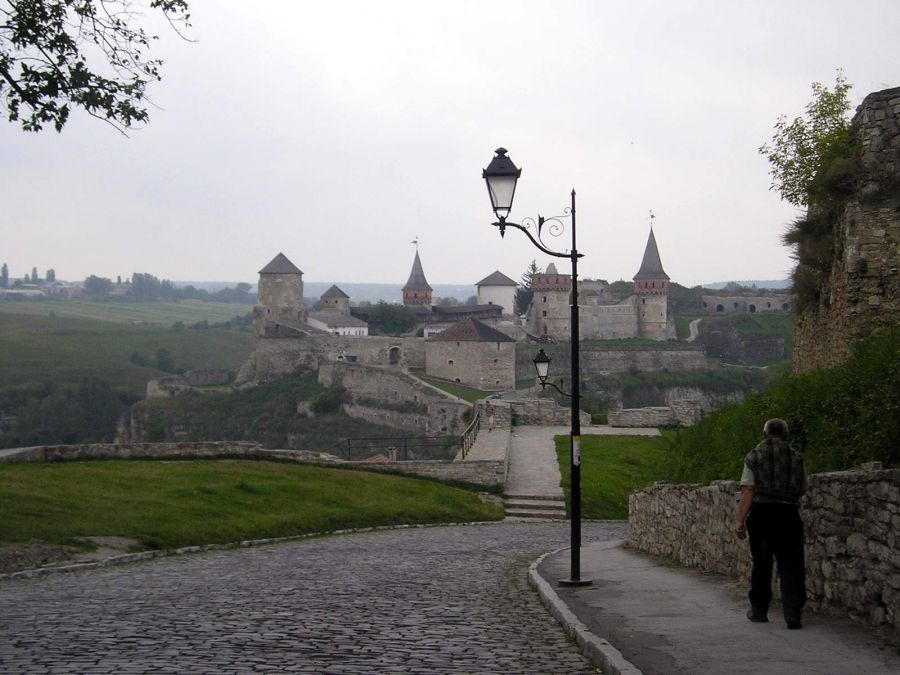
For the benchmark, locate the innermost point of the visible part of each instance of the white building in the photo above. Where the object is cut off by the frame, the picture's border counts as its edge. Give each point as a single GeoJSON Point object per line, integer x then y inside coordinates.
{"type": "Point", "coordinates": [498, 289]}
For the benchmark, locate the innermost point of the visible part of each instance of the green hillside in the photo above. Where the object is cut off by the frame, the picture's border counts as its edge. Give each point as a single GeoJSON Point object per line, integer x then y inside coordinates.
{"type": "Point", "coordinates": [152, 312]}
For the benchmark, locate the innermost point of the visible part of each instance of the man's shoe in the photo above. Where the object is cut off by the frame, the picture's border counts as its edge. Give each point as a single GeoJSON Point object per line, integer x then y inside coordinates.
{"type": "Point", "coordinates": [757, 618]}
{"type": "Point", "coordinates": [794, 625]}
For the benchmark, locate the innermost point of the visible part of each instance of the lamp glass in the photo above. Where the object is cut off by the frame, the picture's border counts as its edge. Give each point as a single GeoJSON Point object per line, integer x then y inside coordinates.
{"type": "Point", "coordinates": [502, 189]}
{"type": "Point", "coordinates": [542, 365]}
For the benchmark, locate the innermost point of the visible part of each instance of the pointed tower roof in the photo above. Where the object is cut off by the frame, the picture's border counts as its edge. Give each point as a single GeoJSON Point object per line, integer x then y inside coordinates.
{"type": "Point", "coordinates": [334, 292]}
{"type": "Point", "coordinates": [417, 281]}
{"type": "Point", "coordinates": [280, 265]}
{"type": "Point", "coordinates": [651, 265]}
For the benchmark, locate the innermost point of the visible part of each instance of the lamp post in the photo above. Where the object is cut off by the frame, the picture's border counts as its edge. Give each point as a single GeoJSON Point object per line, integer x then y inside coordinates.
{"type": "Point", "coordinates": [501, 176]}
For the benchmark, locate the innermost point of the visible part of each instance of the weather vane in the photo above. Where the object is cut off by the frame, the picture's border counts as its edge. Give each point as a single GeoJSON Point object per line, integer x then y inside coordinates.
{"type": "Point", "coordinates": [652, 216]}
{"type": "Point", "coordinates": [415, 242]}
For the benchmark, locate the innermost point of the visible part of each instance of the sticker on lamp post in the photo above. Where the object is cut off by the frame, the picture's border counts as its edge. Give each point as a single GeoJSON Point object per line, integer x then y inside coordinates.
{"type": "Point", "coordinates": [576, 450]}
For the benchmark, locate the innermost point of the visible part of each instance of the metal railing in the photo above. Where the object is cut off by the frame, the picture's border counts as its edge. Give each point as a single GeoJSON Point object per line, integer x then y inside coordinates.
{"type": "Point", "coordinates": [399, 448]}
{"type": "Point", "coordinates": [471, 432]}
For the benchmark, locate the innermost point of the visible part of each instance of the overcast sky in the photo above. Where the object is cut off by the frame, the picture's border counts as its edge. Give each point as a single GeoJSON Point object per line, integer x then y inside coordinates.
{"type": "Point", "coordinates": [337, 132]}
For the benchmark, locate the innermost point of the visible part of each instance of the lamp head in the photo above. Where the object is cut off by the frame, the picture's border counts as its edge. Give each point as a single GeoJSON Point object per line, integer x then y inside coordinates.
{"type": "Point", "coordinates": [542, 366]}
{"type": "Point", "coordinates": [501, 176]}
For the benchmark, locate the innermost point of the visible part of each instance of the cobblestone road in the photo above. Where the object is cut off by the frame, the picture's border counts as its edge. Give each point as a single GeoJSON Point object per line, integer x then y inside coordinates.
{"type": "Point", "coordinates": [449, 599]}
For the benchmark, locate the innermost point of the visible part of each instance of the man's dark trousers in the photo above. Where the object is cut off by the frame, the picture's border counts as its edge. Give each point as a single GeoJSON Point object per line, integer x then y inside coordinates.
{"type": "Point", "coordinates": [776, 531]}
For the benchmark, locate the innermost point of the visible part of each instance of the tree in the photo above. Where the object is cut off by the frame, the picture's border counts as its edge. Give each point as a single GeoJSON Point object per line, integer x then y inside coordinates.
{"type": "Point", "coordinates": [804, 150]}
{"type": "Point", "coordinates": [97, 285]}
{"type": "Point", "coordinates": [391, 319]}
{"type": "Point", "coordinates": [524, 294]}
{"type": "Point", "coordinates": [45, 67]}
{"type": "Point", "coordinates": [4, 276]}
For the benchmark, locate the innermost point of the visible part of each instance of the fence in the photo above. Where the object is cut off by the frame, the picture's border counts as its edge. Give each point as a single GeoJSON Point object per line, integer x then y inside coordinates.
{"type": "Point", "coordinates": [399, 448]}
{"type": "Point", "coordinates": [471, 432]}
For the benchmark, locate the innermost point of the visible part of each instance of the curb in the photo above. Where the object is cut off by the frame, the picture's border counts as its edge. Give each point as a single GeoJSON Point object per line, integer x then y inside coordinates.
{"type": "Point", "coordinates": [129, 558]}
{"type": "Point", "coordinates": [598, 650]}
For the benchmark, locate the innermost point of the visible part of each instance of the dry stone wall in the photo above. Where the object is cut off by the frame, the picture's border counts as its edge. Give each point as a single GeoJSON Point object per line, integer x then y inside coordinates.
{"type": "Point", "coordinates": [852, 519]}
{"type": "Point", "coordinates": [685, 406]}
{"type": "Point", "coordinates": [594, 360]}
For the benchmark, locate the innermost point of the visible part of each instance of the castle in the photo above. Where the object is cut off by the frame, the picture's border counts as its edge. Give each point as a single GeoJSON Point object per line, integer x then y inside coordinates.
{"type": "Point", "coordinates": [642, 315]}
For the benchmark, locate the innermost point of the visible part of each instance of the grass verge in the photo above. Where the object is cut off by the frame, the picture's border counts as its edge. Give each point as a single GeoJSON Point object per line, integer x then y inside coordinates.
{"type": "Point", "coordinates": [612, 467]}
{"type": "Point", "coordinates": [172, 504]}
{"type": "Point", "coordinates": [465, 393]}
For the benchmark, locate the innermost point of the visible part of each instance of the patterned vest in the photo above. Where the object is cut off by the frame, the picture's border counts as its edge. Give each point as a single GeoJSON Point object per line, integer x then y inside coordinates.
{"type": "Point", "coordinates": [778, 472]}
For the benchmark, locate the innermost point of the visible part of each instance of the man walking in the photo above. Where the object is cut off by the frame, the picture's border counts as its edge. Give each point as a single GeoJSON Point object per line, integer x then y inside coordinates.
{"type": "Point", "coordinates": [773, 481]}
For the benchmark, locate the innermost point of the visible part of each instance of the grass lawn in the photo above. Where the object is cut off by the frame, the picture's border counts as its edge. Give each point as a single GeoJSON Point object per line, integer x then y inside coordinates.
{"type": "Point", "coordinates": [36, 349]}
{"type": "Point", "coordinates": [180, 503]}
{"type": "Point", "coordinates": [612, 467]}
{"type": "Point", "coordinates": [465, 393]}
{"type": "Point", "coordinates": [156, 312]}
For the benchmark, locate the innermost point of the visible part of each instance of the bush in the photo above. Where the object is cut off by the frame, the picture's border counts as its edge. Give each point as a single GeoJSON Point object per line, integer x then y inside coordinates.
{"type": "Point", "coordinates": [329, 401]}
{"type": "Point", "coordinates": [839, 418]}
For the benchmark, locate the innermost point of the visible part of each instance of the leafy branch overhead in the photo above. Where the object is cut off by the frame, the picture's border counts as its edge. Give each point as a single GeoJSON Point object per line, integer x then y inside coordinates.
{"type": "Point", "coordinates": [803, 151]}
{"type": "Point", "coordinates": [56, 55]}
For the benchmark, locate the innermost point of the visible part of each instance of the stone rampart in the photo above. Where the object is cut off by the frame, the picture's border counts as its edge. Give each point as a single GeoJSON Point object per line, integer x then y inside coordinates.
{"type": "Point", "coordinates": [275, 358]}
{"type": "Point", "coordinates": [651, 416]}
{"type": "Point", "coordinates": [685, 406]}
{"type": "Point", "coordinates": [394, 387]}
{"type": "Point", "coordinates": [193, 450]}
{"type": "Point", "coordinates": [619, 359]}
{"type": "Point", "coordinates": [545, 412]}
{"type": "Point", "coordinates": [852, 519]}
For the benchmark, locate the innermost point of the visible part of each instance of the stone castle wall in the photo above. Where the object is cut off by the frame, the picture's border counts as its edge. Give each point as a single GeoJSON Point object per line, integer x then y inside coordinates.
{"type": "Point", "coordinates": [777, 302]}
{"type": "Point", "coordinates": [852, 520]}
{"type": "Point", "coordinates": [275, 358]}
{"type": "Point", "coordinates": [862, 293]}
{"type": "Point", "coordinates": [596, 360]}
{"type": "Point", "coordinates": [427, 410]}
{"type": "Point", "coordinates": [685, 406]}
{"type": "Point", "coordinates": [489, 366]}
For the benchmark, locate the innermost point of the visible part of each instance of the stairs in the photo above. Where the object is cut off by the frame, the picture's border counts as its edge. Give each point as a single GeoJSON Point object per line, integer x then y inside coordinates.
{"type": "Point", "coordinates": [535, 507]}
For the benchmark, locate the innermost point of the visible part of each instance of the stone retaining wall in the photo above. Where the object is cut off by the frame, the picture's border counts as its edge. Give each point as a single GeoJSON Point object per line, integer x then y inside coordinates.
{"type": "Point", "coordinates": [476, 472]}
{"type": "Point", "coordinates": [852, 519]}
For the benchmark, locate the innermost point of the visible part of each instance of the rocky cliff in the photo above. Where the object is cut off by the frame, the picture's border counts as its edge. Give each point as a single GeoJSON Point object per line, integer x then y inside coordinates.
{"type": "Point", "coordinates": [861, 292]}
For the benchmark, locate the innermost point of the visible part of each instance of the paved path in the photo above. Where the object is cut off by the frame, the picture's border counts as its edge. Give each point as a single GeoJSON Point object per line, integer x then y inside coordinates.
{"type": "Point", "coordinates": [672, 621]}
{"type": "Point", "coordinates": [694, 327]}
{"type": "Point", "coordinates": [441, 600]}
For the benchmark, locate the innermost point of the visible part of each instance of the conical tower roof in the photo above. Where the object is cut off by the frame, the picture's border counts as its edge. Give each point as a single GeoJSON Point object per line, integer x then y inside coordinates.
{"type": "Point", "coordinates": [417, 281]}
{"type": "Point", "coordinates": [334, 292]}
{"type": "Point", "coordinates": [280, 265]}
{"type": "Point", "coordinates": [651, 265]}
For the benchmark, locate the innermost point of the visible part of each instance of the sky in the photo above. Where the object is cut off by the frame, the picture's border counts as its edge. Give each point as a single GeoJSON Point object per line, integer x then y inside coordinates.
{"type": "Point", "coordinates": [338, 132]}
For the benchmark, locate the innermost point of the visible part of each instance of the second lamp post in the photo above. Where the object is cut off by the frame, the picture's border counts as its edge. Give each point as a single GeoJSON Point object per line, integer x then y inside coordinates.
{"type": "Point", "coordinates": [501, 176]}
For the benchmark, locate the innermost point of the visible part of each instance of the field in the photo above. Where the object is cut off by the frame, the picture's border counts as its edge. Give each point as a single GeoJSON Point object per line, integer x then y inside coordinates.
{"type": "Point", "coordinates": [612, 467]}
{"type": "Point", "coordinates": [180, 503]}
{"type": "Point", "coordinates": [157, 313]}
{"type": "Point", "coordinates": [37, 349]}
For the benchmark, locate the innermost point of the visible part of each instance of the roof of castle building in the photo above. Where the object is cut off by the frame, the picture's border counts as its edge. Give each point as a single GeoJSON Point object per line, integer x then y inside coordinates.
{"type": "Point", "coordinates": [551, 269]}
{"type": "Point", "coordinates": [471, 330]}
{"type": "Point", "coordinates": [335, 292]}
{"type": "Point", "coordinates": [280, 265]}
{"type": "Point", "coordinates": [651, 265]}
{"type": "Point", "coordinates": [336, 320]}
{"type": "Point", "coordinates": [497, 279]}
{"type": "Point", "coordinates": [417, 281]}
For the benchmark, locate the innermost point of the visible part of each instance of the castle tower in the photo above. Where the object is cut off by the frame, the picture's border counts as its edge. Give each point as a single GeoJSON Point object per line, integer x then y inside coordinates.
{"type": "Point", "coordinates": [417, 291]}
{"type": "Point", "coordinates": [335, 300]}
{"type": "Point", "coordinates": [280, 295]}
{"type": "Point", "coordinates": [551, 303]}
{"type": "Point", "coordinates": [651, 288]}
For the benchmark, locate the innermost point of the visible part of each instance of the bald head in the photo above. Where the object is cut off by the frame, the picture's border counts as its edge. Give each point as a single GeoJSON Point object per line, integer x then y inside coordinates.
{"type": "Point", "coordinates": [776, 428]}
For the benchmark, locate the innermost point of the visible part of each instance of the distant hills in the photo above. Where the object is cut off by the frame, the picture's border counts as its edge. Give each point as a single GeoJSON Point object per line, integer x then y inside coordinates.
{"type": "Point", "coordinates": [774, 284]}
{"type": "Point", "coordinates": [358, 292]}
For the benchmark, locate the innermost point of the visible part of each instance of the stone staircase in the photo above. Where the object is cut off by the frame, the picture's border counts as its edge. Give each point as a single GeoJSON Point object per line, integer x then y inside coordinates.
{"type": "Point", "coordinates": [535, 507]}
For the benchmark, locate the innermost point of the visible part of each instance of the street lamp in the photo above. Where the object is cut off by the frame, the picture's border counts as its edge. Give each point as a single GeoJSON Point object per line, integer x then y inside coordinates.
{"type": "Point", "coordinates": [501, 176]}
